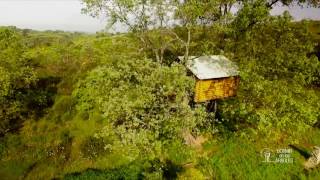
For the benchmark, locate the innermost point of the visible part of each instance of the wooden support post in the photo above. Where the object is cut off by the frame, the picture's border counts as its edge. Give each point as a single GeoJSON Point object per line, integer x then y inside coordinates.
{"type": "Point", "coordinates": [215, 107]}
{"type": "Point", "coordinates": [212, 106]}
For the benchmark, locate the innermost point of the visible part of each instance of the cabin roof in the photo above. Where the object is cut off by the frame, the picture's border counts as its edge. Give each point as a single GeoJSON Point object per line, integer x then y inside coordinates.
{"type": "Point", "coordinates": [211, 67]}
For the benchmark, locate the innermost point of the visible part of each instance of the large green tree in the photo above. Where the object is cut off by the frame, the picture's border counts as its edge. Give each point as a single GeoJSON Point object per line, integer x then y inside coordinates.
{"type": "Point", "coordinates": [16, 75]}
{"type": "Point", "coordinates": [276, 72]}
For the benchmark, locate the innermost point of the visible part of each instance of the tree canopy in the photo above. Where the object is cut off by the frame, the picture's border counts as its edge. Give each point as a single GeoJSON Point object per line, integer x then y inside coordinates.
{"type": "Point", "coordinates": [120, 106]}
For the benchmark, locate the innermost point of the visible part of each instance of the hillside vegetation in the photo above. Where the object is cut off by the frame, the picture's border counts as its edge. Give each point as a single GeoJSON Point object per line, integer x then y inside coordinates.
{"type": "Point", "coordinates": [106, 106]}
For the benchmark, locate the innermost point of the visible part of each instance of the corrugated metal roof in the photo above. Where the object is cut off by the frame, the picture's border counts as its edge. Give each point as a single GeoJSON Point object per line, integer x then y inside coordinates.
{"type": "Point", "coordinates": [210, 67]}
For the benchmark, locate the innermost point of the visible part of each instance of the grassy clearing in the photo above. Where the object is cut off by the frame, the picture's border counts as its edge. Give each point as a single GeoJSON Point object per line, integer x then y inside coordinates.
{"type": "Point", "coordinates": [232, 158]}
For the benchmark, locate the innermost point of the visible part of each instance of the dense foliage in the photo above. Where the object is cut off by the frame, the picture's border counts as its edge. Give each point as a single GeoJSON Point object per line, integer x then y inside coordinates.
{"type": "Point", "coordinates": [120, 106]}
{"type": "Point", "coordinates": [277, 72]}
{"type": "Point", "coordinates": [16, 78]}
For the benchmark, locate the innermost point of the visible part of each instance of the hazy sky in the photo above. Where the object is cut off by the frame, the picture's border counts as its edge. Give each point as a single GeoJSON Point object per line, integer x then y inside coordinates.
{"type": "Point", "coordinates": [66, 15]}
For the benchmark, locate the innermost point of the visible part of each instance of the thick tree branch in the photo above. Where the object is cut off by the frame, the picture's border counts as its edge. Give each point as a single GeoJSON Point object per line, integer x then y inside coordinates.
{"type": "Point", "coordinates": [269, 5]}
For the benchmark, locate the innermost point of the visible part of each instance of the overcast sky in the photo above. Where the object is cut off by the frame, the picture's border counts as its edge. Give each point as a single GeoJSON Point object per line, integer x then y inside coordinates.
{"type": "Point", "coordinates": [66, 15]}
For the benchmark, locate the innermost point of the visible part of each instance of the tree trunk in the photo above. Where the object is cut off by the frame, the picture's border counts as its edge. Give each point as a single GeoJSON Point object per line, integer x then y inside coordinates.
{"type": "Point", "coordinates": [156, 53]}
{"type": "Point", "coordinates": [187, 45]}
{"type": "Point", "coordinates": [161, 55]}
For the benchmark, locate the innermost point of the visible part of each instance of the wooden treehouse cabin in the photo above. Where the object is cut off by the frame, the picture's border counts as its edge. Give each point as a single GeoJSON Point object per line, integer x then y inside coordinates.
{"type": "Point", "coordinates": [216, 77]}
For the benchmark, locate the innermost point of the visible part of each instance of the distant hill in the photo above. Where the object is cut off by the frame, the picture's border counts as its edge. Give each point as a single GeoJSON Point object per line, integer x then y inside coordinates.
{"type": "Point", "coordinates": [314, 27]}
